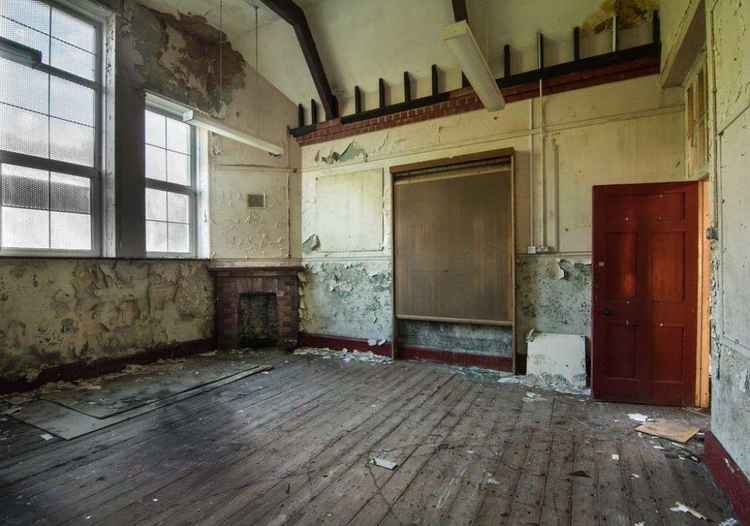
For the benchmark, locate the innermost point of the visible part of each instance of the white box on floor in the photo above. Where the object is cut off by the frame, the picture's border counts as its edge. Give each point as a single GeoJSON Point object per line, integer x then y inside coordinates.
{"type": "Point", "coordinates": [558, 355]}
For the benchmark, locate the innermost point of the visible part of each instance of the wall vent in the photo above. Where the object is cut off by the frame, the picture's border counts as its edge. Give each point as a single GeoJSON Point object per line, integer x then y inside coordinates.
{"type": "Point", "coordinates": [256, 200]}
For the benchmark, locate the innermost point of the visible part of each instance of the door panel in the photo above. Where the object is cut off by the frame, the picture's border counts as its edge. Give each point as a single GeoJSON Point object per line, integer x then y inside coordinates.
{"type": "Point", "coordinates": [645, 292]}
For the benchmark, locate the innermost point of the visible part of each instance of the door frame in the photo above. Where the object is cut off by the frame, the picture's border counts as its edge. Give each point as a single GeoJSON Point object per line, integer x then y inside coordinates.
{"type": "Point", "coordinates": [695, 374]}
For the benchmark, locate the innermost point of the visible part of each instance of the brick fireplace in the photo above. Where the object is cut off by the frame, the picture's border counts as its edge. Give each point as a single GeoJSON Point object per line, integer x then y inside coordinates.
{"type": "Point", "coordinates": [257, 306]}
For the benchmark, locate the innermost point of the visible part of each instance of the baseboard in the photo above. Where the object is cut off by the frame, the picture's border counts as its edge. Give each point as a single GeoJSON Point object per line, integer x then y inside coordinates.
{"type": "Point", "coordinates": [82, 370]}
{"type": "Point", "coordinates": [729, 477]}
{"type": "Point", "coordinates": [339, 343]}
{"type": "Point", "coordinates": [486, 361]}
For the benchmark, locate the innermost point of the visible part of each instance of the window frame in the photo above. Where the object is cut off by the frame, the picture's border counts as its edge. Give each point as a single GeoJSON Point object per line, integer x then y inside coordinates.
{"type": "Point", "coordinates": [155, 104]}
{"type": "Point", "coordinates": [95, 173]}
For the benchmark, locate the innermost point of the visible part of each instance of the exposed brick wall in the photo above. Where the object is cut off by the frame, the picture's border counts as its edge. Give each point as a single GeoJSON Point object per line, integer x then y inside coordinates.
{"type": "Point", "coordinates": [231, 283]}
{"type": "Point", "coordinates": [465, 100]}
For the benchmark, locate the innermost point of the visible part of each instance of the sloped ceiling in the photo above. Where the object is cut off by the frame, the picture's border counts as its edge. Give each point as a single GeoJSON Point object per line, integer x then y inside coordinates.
{"type": "Point", "coordinates": [361, 41]}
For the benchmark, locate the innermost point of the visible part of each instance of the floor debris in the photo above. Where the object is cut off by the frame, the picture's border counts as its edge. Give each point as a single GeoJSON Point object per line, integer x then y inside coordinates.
{"type": "Point", "coordinates": [383, 463]}
{"type": "Point", "coordinates": [345, 355]}
{"type": "Point", "coordinates": [546, 382]}
{"type": "Point", "coordinates": [679, 507]}
{"type": "Point", "coordinates": [615, 457]}
{"type": "Point", "coordinates": [668, 429]}
{"type": "Point", "coordinates": [579, 473]}
{"type": "Point", "coordinates": [638, 417]}
{"type": "Point", "coordinates": [47, 437]}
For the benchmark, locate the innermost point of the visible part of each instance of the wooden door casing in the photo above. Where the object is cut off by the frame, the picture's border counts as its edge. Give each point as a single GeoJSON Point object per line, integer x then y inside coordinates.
{"type": "Point", "coordinates": [645, 297]}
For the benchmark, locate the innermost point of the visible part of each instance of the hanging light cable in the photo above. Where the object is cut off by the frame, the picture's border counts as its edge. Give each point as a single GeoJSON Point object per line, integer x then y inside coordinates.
{"type": "Point", "coordinates": [199, 120]}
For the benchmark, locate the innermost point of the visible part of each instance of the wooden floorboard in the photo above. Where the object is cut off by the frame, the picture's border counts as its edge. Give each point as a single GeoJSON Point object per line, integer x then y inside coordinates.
{"type": "Point", "coordinates": [293, 447]}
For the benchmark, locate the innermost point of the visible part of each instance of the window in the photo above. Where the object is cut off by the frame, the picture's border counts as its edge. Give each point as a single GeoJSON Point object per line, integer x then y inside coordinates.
{"type": "Point", "coordinates": [696, 101]}
{"type": "Point", "coordinates": [50, 129]}
{"type": "Point", "coordinates": [170, 185]}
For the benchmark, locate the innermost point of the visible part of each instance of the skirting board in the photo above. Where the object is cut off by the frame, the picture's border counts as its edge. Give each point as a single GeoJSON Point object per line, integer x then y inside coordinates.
{"type": "Point", "coordinates": [82, 370]}
{"type": "Point", "coordinates": [339, 343]}
{"type": "Point", "coordinates": [486, 361]}
{"type": "Point", "coordinates": [729, 477]}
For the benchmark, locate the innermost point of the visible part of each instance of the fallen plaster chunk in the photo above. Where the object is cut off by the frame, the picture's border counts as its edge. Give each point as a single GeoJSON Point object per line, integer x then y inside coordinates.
{"type": "Point", "coordinates": [640, 524]}
{"type": "Point", "coordinates": [383, 463]}
{"type": "Point", "coordinates": [372, 343]}
{"type": "Point", "coordinates": [47, 437]}
{"type": "Point", "coordinates": [729, 522]}
{"type": "Point", "coordinates": [615, 457]}
{"type": "Point", "coordinates": [638, 417]}
{"type": "Point", "coordinates": [353, 356]}
{"type": "Point", "coordinates": [679, 507]}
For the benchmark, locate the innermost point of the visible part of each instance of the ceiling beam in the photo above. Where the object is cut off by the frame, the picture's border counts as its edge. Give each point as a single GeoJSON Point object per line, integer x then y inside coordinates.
{"type": "Point", "coordinates": [295, 16]}
{"type": "Point", "coordinates": [459, 10]}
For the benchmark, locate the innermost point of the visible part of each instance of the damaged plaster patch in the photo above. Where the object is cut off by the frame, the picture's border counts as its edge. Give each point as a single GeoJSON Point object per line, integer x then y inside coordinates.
{"type": "Point", "coordinates": [347, 299]}
{"type": "Point", "coordinates": [311, 244]}
{"type": "Point", "coordinates": [630, 13]}
{"type": "Point", "coordinates": [350, 153]}
{"type": "Point", "coordinates": [178, 56]}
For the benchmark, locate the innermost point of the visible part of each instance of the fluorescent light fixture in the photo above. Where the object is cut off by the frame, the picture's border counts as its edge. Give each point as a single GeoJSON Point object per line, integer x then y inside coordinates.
{"type": "Point", "coordinates": [460, 40]}
{"type": "Point", "coordinates": [19, 53]}
{"type": "Point", "coordinates": [216, 126]}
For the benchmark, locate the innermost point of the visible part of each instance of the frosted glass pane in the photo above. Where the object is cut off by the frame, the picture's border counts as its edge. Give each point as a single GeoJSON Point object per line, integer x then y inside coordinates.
{"type": "Point", "coordinates": [156, 204]}
{"type": "Point", "coordinates": [29, 12]}
{"type": "Point", "coordinates": [24, 187]}
{"type": "Point", "coordinates": [26, 36]}
{"type": "Point", "coordinates": [156, 237]}
{"type": "Point", "coordinates": [178, 136]}
{"type": "Point", "coordinates": [73, 30]}
{"type": "Point", "coordinates": [178, 168]}
{"type": "Point", "coordinates": [25, 228]}
{"type": "Point", "coordinates": [72, 101]}
{"type": "Point", "coordinates": [23, 131]}
{"type": "Point", "coordinates": [23, 86]}
{"type": "Point", "coordinates": [177, 208]}
{"type": "Point", "coordinates": [73, 60]}
{"type": "Point", "coordinates": [69, 193]}
{"type": "Point", "coordinates": [73, 143]}
{"type": "Point", "coordinates": [156, 163]}
{"type": "Point", "coordinates": [70, 231]}
{"type": "Point", "coordinates": [156, 129]}
{"type": "Point", "coordinates": [178, 238]}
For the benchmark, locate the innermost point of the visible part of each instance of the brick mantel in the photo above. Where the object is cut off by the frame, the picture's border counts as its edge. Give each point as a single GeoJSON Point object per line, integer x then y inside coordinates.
{"type": "Point", "coordinates": [232, 282]}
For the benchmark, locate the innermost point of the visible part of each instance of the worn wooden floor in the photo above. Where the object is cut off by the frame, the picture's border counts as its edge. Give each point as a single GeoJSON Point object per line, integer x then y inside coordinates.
{"type": "Point", "coordinates": [292, 447]}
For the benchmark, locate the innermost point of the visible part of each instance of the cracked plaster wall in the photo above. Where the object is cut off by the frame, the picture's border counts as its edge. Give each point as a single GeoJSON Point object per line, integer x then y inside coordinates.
{"type": "Point", "coordinates": [58, 312]}
{"type": "Point", "coordinates": [729, 30]}
{"type": "Point", "coordinates": [625, 132]}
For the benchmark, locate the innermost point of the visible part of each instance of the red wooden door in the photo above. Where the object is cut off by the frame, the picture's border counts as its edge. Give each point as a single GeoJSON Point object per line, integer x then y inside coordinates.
{"type": "Point", "coordinates": [645, 257]}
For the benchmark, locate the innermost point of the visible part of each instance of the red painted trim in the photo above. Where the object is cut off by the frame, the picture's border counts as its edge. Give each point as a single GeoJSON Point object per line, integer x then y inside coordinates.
{"type": "Point", "coordinates": [729, 477]}
{"type": "Point", "coordinates": [465, 100]}
{"type": "Point", "coordinates": [498, 363]}
{"type": "Point", "coordinates": [81, 370]}
{"type": "Point", "coordinates": [340, 343]}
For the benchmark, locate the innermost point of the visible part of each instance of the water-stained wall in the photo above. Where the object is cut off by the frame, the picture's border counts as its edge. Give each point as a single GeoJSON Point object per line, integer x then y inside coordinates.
{"type": "Point", "coordinates": [57, 312]}
{"type": "Point", "coordinates": [624, 132]}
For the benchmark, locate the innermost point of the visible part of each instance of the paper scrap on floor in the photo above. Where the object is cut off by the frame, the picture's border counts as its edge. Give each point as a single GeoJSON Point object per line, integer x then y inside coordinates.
{"type": "Point", "coordinates": [670, 430]}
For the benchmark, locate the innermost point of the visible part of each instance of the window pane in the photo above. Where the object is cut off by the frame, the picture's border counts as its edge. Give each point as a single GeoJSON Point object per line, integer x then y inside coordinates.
{"type": "Point", "coordinates": [156, 160]}
{"type": "Point", "coordinates": [178, 238]}
{"type": "Point", "coordinates": [23, 131]}
{"type": "Point", "coordinates": [178, 208]}
{"type": "Point", "coordinates": [24, 187]}
{"type": "Point", "coordinates": [23, 86]}
{"type": "Point", "coordinates": [178, 136]}
{"type": "Point", "coordinates": [25, 228]}
{"type": "Point", "coordinates": [70, 231]}
{"type": "Point", "coordinates": [73, 30]}
{"type": "Point", "coordinates": [69, 193]}
{"type": "Point", "coordinates": [29, 12]}
{"type": "Point", "coordinates": [156, 236]}
{"type": "Point", "coordinates": [26, 36]}
{"type": "Point", "coordinates": [156, 129]}
{"type": "Point", "coordinates": [73, 60]}
{"type": "Point", "coordinates": [156, 204]}
{"type": "Point", "coordinates": [178, 168]}
{"type": "Point", "coordinates": [72, 101]}
{"type": "Point", "coordinates": [73, 143]}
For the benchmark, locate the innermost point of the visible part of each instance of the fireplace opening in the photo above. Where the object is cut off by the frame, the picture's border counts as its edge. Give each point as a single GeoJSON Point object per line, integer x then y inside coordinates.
{"type": "Point", "coordinates": [259, 320]}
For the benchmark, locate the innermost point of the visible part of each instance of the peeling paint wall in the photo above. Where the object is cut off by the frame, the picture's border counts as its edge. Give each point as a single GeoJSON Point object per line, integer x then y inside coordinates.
{"type": "Point", "coordinates": [625, 132]}
{"type": "Point", "coordinates": [58, 312]}
{"type": "Point", "coordinates": [729, 64]}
